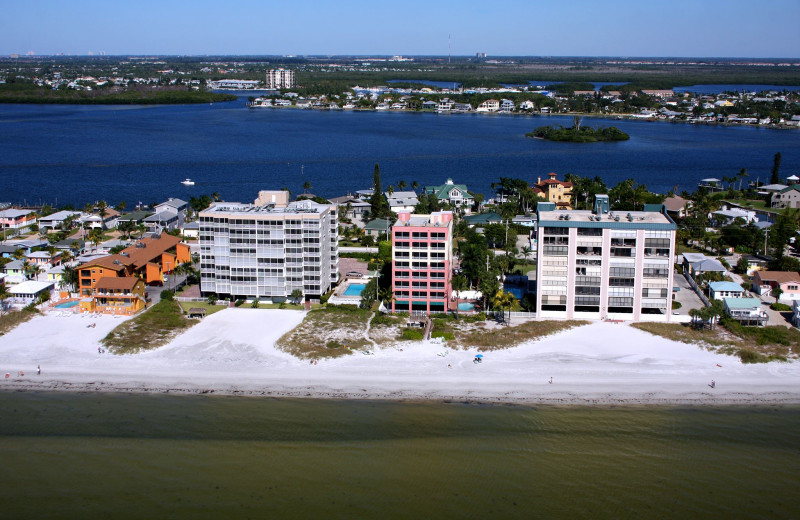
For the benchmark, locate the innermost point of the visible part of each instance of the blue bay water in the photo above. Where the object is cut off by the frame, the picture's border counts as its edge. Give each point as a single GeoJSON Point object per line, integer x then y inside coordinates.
{"type": "Point", "coordinates": [163, 456]}
{"type": "Point", "coordinates": [77, 154]}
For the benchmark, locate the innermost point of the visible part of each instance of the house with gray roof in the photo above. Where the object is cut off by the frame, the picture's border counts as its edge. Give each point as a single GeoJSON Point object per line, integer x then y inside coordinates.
{"type": "Point", "coordinates": [400, 201]}
{"type": "Point", "coordinates": [698, 263]}
{"type": "Point", "coordinates": [57, 219]}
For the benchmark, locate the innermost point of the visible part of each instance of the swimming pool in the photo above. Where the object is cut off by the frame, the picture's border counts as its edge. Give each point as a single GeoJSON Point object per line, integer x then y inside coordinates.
{"type": "Point", "coordinates": [517, 291]}
{"type": "Point", "coordinates": [466, 307]}
{"type": "Point", "coordinates": [354, 289]}
{"type": "Point", "coordinates": [67, 305]}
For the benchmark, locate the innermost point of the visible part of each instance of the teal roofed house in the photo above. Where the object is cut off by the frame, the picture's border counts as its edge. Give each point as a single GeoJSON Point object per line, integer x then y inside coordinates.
{"type": "Point", "coordinates": [377, 227]}
{"type": "Point", "coordinates": [455, 194]}
{"type": "Point", "coordinates": [482, 219]}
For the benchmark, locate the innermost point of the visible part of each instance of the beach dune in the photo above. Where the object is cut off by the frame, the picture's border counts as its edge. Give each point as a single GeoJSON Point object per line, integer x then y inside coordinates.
{"type": "Point", "coordinates": [233, 352]}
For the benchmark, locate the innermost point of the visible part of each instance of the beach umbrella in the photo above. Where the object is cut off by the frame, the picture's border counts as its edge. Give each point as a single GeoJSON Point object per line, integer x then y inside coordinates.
{"type": "Point", "coordinates": [479, 356]}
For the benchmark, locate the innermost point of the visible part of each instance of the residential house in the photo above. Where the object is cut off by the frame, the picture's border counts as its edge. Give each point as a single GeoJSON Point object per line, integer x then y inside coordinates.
{"type": "Point", "coordinates": [422, 255]}
{"type": "Point", "coordinates": [662, 94]}
{"type": "Point", "coordinates": [55, 275]}
{"type": "Point", "coordinates": [429, 105]}
{"type": "Point", "coordinates": [757, 262]}
{"type": "Point", "coordinates": [490, 105]}
{"type": "Point", "coordinates": [16, 218]}
{"type": "Point", "coordinates": [676, 206]}
{"type": "Point", "coordinates": [352, 207]}
{"type": "Point", "coordinates": [58, 219]}
{"type": "Point", "coordinates": [168, 216]}
{"type": "Point", "coordinates": [377, 227]}
{"type": "Point", "coordinates": [445, 105]}
{"type": "Point", "coordinates": [507, 106]}
{"type": "Point", "coordinates": [765, 282]}
{"type": "Point", "coordinates": [456, 195]}
{"type": "Point", "coordinates": [462, 107]}
{"type": "Point", "coordinates": [727, 216]}
{"type": "Point", "coordinates": [400, 201]}
{"type": "Point", "coordinates": [527, 105]}
{"type": "Point", "coordinates": [555, 191]}
{"type": "Point", "coordinates": [135, 217]}
{"type": "Point", "coordinates": [482, 219]}
{"type": "Point", "coordinates": [597, 264]}
{"type": "Point", "coordinates": [191, 229]}
{"type": "Point", "coordinates": [697, 263]}
{"type": "Point", "coordinates": [788, 197]}
{"type": "Point", "coordinates": [15, 272]}
{"type": "Point", "coordinates": [123, 296]}
{"type": "Point", "coordinates": [29, 292]}
{"type": "Point", "coordinates": [747, 311]}
{"type": "Point", "coordinates": [44, 259]}
{"type": "Point", "coordinates": [720, 290]}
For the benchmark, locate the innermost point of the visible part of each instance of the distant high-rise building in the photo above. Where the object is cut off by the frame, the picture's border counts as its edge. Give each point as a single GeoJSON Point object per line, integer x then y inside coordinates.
{"type": "Point", "coordinates": [480, 55]}
{"type": "Point", "coordinates": [280, 78]}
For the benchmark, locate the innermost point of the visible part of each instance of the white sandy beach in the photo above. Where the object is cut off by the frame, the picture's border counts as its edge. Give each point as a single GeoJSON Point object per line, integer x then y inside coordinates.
{"type": "Point", "coordinates": [232, 352]}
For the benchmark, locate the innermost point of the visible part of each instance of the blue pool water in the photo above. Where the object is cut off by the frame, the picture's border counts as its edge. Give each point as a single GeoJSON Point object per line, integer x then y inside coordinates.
{"type": "Point", "coordinates": [466, 306]}
{"type": "Point", "coordinates": [516, 291]}
{"type": "Point", "coordinates": [67, 305]}
{"type": "Point", "coordinates": [355, 289]}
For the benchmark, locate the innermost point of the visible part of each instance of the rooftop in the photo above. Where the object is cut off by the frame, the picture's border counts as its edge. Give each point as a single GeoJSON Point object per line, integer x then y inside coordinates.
{"type": "Point", "coordinates": [725, 286]}
{"type": "Point", "coordinates": [296, 207]}
{"type": "Point", "coordinates": [743, 303]}
{"type": "Point", "coordinates": [613, 219]}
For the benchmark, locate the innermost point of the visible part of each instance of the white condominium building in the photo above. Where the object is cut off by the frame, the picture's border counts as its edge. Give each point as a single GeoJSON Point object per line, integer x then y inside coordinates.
{"type": "Point", "coordinates": [268, 249]}
{"type": "Point", "coordinates": [605, 265]}
{"type": "Point", "coordinates": [280, 78]}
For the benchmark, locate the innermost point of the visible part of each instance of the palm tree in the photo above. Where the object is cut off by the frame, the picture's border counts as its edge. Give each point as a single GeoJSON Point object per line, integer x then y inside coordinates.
{"type": "Point", "coordinates": [215, 196]}
{"type": "Point", "coordinates": [414, 185]}
{"type": "Point", "coordinates": [306, 186]}
{"type": "Point", "coordinates": [401, 185]}
{"type": "Point", "coordinates": [503, 300]}
{"type": "Point", "coordinates": [742, 174]}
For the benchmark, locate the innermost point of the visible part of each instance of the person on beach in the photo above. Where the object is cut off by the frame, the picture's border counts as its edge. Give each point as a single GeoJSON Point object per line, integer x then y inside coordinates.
{"type": "Point", "coordinates": [551, 380]}
{"type": "Point", "coordinates": [38, 370]}
{"type": "Point", "coordinates": [713, 384]}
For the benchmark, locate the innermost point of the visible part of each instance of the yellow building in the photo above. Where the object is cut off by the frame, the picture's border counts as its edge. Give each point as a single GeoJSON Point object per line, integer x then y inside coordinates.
{"type": "Point", "coordinates": [555, 191]}
{"type": "Point", "coordinates": [121, 296]}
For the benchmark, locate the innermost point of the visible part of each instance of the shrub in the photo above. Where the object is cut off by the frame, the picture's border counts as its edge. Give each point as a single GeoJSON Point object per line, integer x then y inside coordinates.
{"type": "Point", "coordinates": [412, 334]}
{"type": "Point", "coordinates": [782, 307]}
{"type": "Point", "coordinates": [676, 305]}
{"type": "Point", "coordinates": [333, 344]}
{"type": "Point", "coordinates": [448, 336]}
{"type": "Point", "coordinates": [167, 295]}
{"type": "Point", "coordinates": [748, 355]}
{"type": "Point", "coordinates": [238, 303]}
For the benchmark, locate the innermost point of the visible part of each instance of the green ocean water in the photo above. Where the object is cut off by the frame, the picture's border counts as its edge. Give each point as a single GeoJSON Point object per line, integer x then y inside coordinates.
{"type": "Point", "coordinates": [159, 456]}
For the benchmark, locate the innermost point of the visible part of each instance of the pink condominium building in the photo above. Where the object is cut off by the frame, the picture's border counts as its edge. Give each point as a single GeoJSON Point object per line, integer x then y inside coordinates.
{"type": "Point", "coordinates": [422, 254]}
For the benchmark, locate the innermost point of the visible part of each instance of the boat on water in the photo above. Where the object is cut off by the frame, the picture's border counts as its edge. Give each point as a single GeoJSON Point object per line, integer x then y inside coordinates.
{"type": "Point", "coordinates": [188, 182]}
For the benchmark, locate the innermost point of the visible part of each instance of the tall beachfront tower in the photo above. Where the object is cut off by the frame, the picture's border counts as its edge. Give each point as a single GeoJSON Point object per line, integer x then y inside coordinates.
{"type": "Point", "coordinates": [605, 264]}
{"type": "Point", "coordinates": [280, 78]}
{"type": "Point", "coordinates": [422, 254]}
{"type": "Point", "coordinates": [268, 249]}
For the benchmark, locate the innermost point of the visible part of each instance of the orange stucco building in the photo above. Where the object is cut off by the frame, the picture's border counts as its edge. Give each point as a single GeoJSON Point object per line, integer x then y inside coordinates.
{"type": "Point", "coordinates": [148, 260]}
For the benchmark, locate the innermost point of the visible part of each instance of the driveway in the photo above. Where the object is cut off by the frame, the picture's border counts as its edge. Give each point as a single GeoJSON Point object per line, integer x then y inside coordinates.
{"type": "Point", "coordinates": [686, 296]}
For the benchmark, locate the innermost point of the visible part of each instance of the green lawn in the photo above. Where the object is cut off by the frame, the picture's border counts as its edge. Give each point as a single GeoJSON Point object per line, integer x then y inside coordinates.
{"type": "Point", "coordinates": [210, 309]}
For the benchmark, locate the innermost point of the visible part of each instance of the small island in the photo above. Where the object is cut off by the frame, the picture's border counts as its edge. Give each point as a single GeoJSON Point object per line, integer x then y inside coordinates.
{"type": "Point", "coordinates": [579, 134]}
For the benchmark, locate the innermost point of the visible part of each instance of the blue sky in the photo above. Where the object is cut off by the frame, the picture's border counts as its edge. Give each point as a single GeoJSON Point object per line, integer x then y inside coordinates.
{"type": "Point", "coordinates": [720, 28]}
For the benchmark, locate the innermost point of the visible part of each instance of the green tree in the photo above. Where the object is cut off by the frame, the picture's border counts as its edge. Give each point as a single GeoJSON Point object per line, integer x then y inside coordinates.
{"type": "Point", "coordinates": [380, 207]}
{"type": "Point", "coordinates": [504, 301]}
{"type": "Point", "coordinates": [69, 278]}
{"type": "Point", "coordinates": [306, 186]}
{"type": "Point", "coordinates": [296, 296]}
{"type": "Point", "coordinates": [776, 166]}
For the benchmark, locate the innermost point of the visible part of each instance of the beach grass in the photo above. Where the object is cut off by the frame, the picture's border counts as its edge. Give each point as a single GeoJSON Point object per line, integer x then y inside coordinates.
{"type": "Point", "coordinates": [750, 344]}
{"type": "Point", "coordinates": [331, 332]}
{"type": "Point", "coordinates": [149, 330]}
{"type": "Point", "coordinates": [470, 335]}
{"type": "Point", "coordinates": [12, 319]}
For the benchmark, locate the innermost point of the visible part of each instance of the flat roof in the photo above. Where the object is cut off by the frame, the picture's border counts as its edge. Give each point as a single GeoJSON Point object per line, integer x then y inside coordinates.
{"type": "Point", "coordinates": [298, 207]}
{"type": "Point", "coordinates": [31, 287]}
{"type": "Point", "coordinates": [613, 219]}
